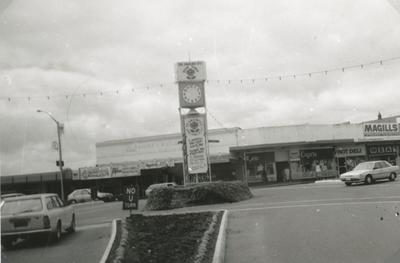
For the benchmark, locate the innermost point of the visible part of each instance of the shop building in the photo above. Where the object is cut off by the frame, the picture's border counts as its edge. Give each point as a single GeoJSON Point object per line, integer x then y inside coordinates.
{"type": "Point", "coordinates": [309, 152]}
{"type": "Point", "coordinates": [261, 155]}
{"type": "Point", "coordinates": [154, 159]}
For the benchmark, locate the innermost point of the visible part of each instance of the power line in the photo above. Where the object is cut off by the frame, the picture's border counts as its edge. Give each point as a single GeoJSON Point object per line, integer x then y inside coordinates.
{"type": "Point", "coordinates": [282, 77]}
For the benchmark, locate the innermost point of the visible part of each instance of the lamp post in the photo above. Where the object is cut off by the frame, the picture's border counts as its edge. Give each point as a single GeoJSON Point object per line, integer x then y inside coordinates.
{"type": "Point", "coordinates": [60, 164]}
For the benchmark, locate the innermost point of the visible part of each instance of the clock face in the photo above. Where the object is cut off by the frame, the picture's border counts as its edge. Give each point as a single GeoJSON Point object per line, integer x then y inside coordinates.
{"type": "Point", "coordinates": [191, 93]}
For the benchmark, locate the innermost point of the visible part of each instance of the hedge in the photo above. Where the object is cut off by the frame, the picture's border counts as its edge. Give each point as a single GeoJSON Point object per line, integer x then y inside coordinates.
{"type": "Point", "coordinates": [196, 194]}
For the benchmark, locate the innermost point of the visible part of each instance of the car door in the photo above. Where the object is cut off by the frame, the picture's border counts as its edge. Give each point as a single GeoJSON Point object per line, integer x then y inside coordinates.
{"type": "Point", "coordinates": [386, 168]}
{"type": "Point", "coordinates": [51, 211]}
{"type": "Point", "coordinates": [63, 211]}
{"type": "Point", "coordinates": [376, 170]}
{"type": "Point", "coordinates": [380, 171]}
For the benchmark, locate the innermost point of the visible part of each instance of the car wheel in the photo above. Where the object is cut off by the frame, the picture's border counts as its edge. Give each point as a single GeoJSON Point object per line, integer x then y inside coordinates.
{"type": "Point", "coordinates": [57, 233]}
{"type": "Point", "coordinates": [348, 183]}
{"type": "Point", "coordinates": [368, 179]}
{"type": "Point", "coordinates": [72, 227]}
{"type": "Point", "coordinates": [392, 177]}
{"type": "Point", "coordinates": [73, 201]}
{"type": "Point", "coordinates": [7, 242]}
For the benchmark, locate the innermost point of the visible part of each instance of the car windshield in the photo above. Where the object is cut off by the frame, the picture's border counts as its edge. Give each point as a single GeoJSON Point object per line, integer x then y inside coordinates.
{"type": "Point", "coordinates": [364, 166]}
{"type": "Point", "coordinates": [21, 206]}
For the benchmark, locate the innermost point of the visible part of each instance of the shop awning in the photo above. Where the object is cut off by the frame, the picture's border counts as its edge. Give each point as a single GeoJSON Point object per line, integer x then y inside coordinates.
{"type": "Point", "coordinates": [290, 144]}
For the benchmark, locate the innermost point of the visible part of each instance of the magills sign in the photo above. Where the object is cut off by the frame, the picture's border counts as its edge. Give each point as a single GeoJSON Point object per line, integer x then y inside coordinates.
{"type": "Point", "coordinates": [381, 129]}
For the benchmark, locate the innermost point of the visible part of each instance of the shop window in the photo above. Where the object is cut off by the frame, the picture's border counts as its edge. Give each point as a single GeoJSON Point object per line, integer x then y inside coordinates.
{"type": "Point", "coordinates": [318, 163]}
{"type": "Point", "coordinates": [260, 168]}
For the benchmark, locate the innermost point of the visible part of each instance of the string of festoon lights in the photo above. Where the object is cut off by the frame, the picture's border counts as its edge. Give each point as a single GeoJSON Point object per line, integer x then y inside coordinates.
{"type": "Point", "coordinates": [124, 91]}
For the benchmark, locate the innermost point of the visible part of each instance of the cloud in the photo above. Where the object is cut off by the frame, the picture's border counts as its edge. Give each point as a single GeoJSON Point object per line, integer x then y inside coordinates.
{"type": "Point", "coordinates": [110, 60]}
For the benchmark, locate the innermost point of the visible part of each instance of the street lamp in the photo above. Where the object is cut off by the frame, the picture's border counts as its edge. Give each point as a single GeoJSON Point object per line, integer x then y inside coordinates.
{"type": "Point", "coordinates": [60, 164]}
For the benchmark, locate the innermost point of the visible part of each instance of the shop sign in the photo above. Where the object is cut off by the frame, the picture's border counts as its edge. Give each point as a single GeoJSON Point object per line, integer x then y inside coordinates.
{"type": "Point", "coordinates": [125, 170]}
{"type": "Point", "coordinates": [348, 151]}
{"type": "Point", "coordinates": [190, 71]}
{"type": "Point", "coordinates": [196, 147]}
{"type": "Point", "coordinates": [382, 150]}
{"type": "Point", "coordinates": [316, 154]}
{"type": "Point", "coordinates": [381, 129]}
{"type": "Point", "coordinates": [91, 173]}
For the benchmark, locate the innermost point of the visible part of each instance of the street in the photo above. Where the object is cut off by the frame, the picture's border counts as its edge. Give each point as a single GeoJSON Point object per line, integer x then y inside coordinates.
{"type": "Point", "coordinates": [297, 223]}
{"type": "Point", "coordinates": [87, 244]}
{"type": "Point", "coordinates": [318, 223]}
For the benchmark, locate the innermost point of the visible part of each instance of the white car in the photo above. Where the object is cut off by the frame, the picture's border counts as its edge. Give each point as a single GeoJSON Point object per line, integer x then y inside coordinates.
{"type": "Point", "coordinates": [153, 186]}
{"type": "Point", "coordinates": [84, 195]}
{"type": "Point", "coordinates": [28, 215]}
{"type": "Point", "coordinates": [368, 172]}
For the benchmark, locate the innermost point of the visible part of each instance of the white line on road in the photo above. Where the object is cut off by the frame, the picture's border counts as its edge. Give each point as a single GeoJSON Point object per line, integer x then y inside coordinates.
{"type": "Point", "coordinates": [308, 186]}
{"type": "Point", "coordinates": [312, 205]}
{"type": "Point", "coordinates": [336, 199]}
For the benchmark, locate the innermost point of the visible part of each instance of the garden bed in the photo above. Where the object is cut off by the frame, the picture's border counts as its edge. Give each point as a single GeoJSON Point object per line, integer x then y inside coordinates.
{"type": "Point", "coordinates": [177, 238]}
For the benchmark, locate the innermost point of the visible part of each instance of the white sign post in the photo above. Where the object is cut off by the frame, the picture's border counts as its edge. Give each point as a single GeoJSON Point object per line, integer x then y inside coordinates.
{"type": "Point", "coordinates": [196, 143]}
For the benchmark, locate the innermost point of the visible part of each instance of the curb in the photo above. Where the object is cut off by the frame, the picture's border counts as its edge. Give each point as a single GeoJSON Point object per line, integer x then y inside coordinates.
{"type": "Point", "coordinates": [219, 253]}
{"type": "Point", "coordinates": [111, 241]}
{"type": "Point", "coordinates": [329, 181]}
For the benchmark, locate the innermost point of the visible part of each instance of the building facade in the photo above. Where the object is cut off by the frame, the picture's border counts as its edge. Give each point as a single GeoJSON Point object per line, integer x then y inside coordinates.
{"type": "Point", "coordinates": [261, 155]}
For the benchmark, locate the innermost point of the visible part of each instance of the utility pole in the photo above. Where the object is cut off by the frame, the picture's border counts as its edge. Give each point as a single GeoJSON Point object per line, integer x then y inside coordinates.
{"type": "Point", "coordinates": [60, 162]}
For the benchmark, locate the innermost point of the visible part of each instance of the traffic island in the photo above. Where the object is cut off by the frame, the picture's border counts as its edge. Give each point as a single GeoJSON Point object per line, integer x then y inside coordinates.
{"type": "Point", "coordinates": [177, 238]}
{"type": "Point", "coordinates": [197, 194]}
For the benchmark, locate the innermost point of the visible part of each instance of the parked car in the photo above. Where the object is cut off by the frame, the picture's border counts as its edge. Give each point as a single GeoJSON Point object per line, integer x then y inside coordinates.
{"type": "Point", "coordinates": [153, 186]}
{"type": "Point", "coordinates": [84, 195]}
{"type": "Point", "coordinates": [368, 172]}
{"type": "Point", "coordinates": [28, 215]}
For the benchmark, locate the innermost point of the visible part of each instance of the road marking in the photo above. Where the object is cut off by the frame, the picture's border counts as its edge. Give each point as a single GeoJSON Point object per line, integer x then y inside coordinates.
{"type": "Point", "coordinates": [295, 187]}
{"type": "Point", "coordinates": [313, 185]}
{"type": "Point", "coordinates": [336, 199]}
{"type": "Point", "coordinates": [86, 227]}
{"type": "Point", "coordinates": [312, 205]}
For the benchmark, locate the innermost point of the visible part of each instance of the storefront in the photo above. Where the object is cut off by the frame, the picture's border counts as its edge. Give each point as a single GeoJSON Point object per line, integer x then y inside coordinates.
{"type": "Point", "coordinates": [318, 163]}
{"type": "Point", "coordinates": [348, 156]}
{"type": "Point", "coordinates": [260, 167]}
{"type": "Point", "coordinates": [284, 162]}
{"type": "Point", "coordinates": [384, 151]}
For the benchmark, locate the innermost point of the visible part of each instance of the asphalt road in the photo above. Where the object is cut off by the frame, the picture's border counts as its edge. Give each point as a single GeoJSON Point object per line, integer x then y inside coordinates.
{"type": "Point", "coordinates": [317, 223]}
{"type": "Point", "coordinates": [87, 244]}
{"type": "Point", "coordinates": [299, 223]}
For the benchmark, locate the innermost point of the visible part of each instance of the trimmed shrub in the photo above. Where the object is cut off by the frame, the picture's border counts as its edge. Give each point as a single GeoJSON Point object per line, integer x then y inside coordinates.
{"type": "Point", "coordinates": [220, 192]}
{"type": "Point", "coordinates": [160, 199]}
{"type": "Point", "coordinates": [196, 194]}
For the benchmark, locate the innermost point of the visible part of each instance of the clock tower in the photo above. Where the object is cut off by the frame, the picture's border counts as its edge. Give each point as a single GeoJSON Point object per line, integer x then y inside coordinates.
{"type": "Point", "coordinates": [191, 77]}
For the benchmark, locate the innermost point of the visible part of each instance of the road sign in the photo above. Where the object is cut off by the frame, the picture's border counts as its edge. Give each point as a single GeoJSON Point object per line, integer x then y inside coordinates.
{"type": "Point", "coordinates": [58, 163]}
{"type": "Point", "coordinates": [130, 200]}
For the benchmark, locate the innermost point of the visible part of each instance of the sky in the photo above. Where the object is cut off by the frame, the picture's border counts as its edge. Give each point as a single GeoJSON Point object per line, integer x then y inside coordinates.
{"type": "Point", "coordinates": [105, 69]}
